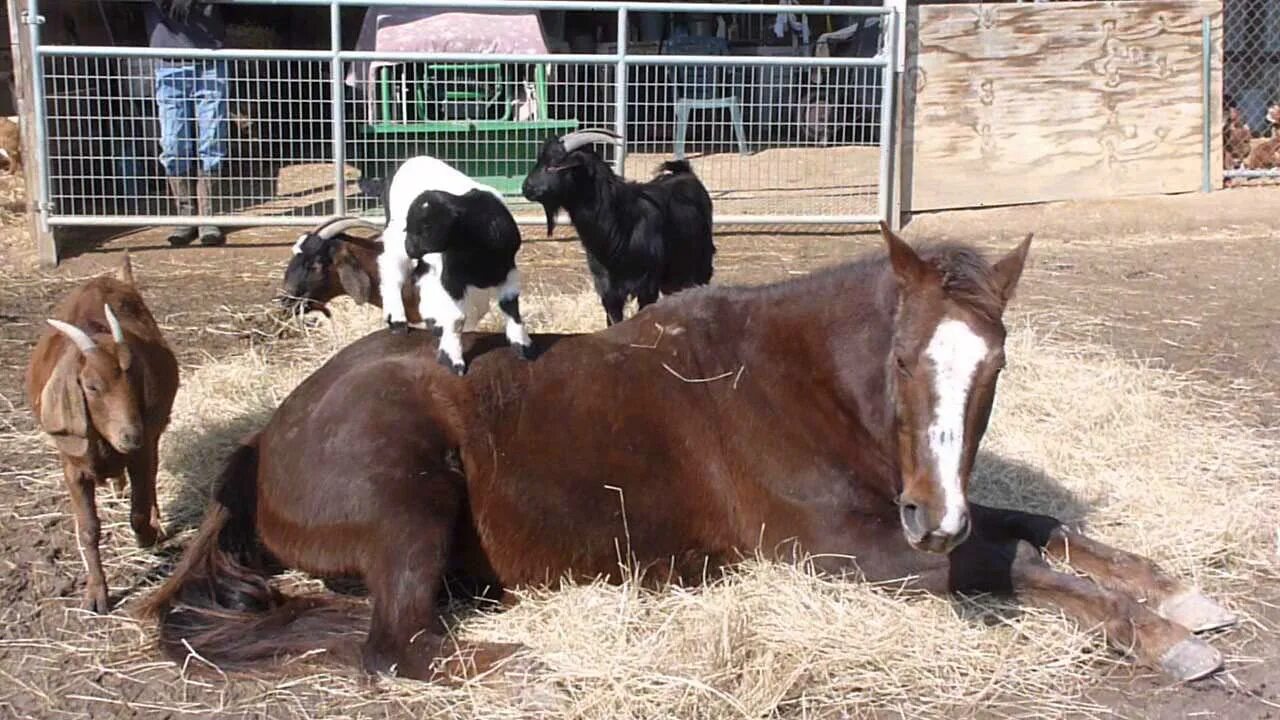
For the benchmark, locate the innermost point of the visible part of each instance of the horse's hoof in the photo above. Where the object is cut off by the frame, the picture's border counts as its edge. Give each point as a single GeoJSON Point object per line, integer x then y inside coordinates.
{"type": "Point", "coordinates": [398, 327]}
{"type": "Point", "coordinates": [1190, 659]}
{"type": "Point", "coordinates": [1195, 612]}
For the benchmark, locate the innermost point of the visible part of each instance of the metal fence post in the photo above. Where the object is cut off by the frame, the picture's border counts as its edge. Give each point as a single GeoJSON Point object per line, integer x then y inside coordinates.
{"type": "Point", "coordinates": [33, 20]}
{"type": "Point", "coordinates": [888, 103]}
{"type": "Point", "coordinates": [337, 110]}
{"type": "Point", "coordinates": [620, 94]}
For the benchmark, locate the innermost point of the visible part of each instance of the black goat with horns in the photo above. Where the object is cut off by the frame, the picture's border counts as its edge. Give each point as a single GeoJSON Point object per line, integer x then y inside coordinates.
{"type": "Point", "coordinates": [641, 238]}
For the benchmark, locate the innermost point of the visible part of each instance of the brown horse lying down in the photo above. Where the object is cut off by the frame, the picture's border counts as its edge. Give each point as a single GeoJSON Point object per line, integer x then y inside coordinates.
{"type": "Point", "coordinates": [836, 415]}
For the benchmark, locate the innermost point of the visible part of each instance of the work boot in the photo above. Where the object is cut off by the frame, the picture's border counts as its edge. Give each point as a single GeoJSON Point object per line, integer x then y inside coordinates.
{"type": "Point", "coordinates": [206, 196]}
{"type": "Point", "coordinates": [180, 189]}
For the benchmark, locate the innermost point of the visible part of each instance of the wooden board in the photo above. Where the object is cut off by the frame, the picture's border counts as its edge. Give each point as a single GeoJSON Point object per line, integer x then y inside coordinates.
{"type": "Point", "coordinates": [1021, 103]}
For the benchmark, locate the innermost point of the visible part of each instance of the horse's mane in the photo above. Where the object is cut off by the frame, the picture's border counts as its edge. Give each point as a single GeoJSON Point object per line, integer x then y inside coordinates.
{"type": "Point", "coordinates": [966, 277]}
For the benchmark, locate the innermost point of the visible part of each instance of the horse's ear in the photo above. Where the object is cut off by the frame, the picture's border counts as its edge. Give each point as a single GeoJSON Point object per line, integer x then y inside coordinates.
{"type": "Point", "coordinates": [1008, 269]}
{"type": "Point", "coordinates": [907, 265]}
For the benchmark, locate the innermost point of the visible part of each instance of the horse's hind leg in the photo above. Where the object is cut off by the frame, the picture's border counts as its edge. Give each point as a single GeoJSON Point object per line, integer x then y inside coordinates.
{"type": "Point", "coordinates": [1129, 625]}
{"type": "Point", "coordinates": [406, 636]}
{"type": "Point", "coordinates": [1111, 567]}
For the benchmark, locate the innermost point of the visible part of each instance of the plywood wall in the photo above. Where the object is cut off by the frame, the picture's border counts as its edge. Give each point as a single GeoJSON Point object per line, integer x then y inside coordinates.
{"type": "Point", "coordinates": [1018, 103]}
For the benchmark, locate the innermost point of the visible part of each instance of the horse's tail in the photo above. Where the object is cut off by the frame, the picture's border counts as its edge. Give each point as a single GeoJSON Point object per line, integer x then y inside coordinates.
{"type": "Point", "coordinates": [218, 608]}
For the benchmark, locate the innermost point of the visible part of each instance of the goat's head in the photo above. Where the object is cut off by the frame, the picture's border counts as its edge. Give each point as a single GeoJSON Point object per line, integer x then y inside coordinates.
{"type": "Point", "coordinates": [437, 219]}
{"type": "Point", "coordinates": [563, 164]}
{"type": "Point", "coordinates": [90, 387]}
{"type": "Point", "coordinates": [323, 267]}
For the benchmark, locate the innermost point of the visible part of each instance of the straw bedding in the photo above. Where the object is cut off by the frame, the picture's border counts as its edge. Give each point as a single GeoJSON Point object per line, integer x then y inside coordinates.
{"type": "Point", "coordinates": [1137, 455]}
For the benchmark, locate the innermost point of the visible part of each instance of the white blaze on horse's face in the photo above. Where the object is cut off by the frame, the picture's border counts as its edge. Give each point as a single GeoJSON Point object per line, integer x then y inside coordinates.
{"type": "Point", "coordinates": [954, 352]}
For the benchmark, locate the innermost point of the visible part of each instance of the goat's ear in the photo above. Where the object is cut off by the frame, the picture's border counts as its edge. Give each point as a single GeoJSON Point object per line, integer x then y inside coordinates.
{"type": "Point", "coordinates": [573, 160]}
{"type": "Point", "coordinates": [62, 410]}
{"type": "Point", "coordinates": [354, 279]}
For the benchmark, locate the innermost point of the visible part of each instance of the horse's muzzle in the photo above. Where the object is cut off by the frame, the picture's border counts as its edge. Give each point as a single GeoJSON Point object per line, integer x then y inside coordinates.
{"type": "Point", "coordinates": [923, 533]}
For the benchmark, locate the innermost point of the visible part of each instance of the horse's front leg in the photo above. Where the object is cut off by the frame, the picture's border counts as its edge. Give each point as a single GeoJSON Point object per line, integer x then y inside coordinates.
{"type": "Point", "coordinates": [1110, 567]}
{"type": "Point", "coordinates": [994, 561]}
{"type": "Point", "coordinates": [1016, 567]}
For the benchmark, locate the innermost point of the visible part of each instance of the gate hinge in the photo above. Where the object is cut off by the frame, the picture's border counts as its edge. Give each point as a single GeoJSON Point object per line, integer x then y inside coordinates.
{"type": "Point", "coordinates": [29, 19]}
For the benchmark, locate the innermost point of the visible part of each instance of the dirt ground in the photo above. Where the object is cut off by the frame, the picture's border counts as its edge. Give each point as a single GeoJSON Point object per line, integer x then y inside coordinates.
{"type": "Point", "coordinates": [1190, 282]}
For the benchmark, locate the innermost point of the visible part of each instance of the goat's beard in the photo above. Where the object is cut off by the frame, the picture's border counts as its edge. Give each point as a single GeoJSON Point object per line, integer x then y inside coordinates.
{"type": "Point", "coordinates": [551, 211]}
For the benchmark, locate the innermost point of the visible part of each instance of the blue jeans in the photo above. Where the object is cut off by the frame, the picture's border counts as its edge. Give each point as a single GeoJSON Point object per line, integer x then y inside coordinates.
{"type": "Point", "coordinates": [187, 93]}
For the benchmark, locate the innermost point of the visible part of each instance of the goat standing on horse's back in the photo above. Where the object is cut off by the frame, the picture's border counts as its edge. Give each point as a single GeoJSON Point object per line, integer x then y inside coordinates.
{"type": "Point", "coordinates": [641, 238]}
{"type": "Point", "coordinates": [101, 383]}
{"type": "Point", "coordinates": [463, 241]}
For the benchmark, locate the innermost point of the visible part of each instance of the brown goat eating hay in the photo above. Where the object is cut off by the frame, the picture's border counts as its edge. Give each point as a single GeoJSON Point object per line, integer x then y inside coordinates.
{"type": "Point", "coordinates": [834, 417]}
{"type": "Point", "coordinates": [101, 384]}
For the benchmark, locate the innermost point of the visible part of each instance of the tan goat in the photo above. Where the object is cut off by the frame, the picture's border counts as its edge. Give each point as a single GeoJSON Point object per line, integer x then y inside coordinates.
{"type": "Point", "coordinates": [101, 383]}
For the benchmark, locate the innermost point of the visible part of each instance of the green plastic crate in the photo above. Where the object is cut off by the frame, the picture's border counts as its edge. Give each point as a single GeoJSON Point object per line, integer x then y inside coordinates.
{"type": "Point", "coordinates": [497, 150]}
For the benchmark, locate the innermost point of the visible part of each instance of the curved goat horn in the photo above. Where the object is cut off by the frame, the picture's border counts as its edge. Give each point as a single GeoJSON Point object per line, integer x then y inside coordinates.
{"type": "Point", "coordinates": [578, 138]}
{"type": "Point", "coordinates": [333, 227]}
{"type": "Point", "coordinates": [117, 333]}
{"type": "Point", "coordinates": [78, 336]}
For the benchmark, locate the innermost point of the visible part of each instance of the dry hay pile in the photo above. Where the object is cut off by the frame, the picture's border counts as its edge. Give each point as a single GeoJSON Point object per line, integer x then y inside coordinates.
{"type": "Point", "coordinates": [1135, 453]}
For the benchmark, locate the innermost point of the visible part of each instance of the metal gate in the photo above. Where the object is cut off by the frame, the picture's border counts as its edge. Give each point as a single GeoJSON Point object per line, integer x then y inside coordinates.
{"type": "Point", "coordinates": [1251, 89]}
{"type": "Point", "coordinates": [798, 132]}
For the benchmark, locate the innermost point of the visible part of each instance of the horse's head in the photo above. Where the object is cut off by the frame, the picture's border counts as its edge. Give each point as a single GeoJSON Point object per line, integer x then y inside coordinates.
{"type": "Point", "coordinates": [947, 353]}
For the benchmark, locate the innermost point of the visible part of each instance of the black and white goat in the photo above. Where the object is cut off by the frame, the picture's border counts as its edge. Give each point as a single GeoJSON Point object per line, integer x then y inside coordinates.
{"type": "Point", "coordinates": [463, 241]}
{"type": "Point", "coordinates": [641, 238]}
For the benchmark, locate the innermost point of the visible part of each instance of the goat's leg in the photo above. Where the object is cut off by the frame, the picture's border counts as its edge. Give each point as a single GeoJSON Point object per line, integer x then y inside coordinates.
{"type": "Point", "coordinates": [614, 301]}
{"type": "Point", "coordinates": [448, 314]}
{"type": "Point", "coordinates": [509, 304]}
{"type": "Point", "coordinates": [646, 297]}
{"type": "Point", "coordinates": [1111, 567]}
{"type": "Point", "coordinates": [144, 512]}
{"type": "Point", "coordinates": [393, 272]}
{"type": "Point", "coordinates": [83, 505]}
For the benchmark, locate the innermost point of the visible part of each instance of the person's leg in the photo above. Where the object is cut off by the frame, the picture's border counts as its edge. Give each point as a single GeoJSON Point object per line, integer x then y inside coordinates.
{"type": "Point", "coordinates": [211, 114]}
{"type": "Point", "coordinates": [172, 105]}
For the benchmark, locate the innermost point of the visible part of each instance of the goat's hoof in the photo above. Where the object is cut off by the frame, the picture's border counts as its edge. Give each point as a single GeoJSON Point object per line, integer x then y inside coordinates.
{"type": "Point", "coordinates": [95, 601]}
{"type": "Point", "coordinates": [527, 352]}
{"type": "Point", "coordinates": [146, 537]}
{"type": "Point", "coordinates": [453, 367]}
{"type": "Point", "coordinates": [398, 327]}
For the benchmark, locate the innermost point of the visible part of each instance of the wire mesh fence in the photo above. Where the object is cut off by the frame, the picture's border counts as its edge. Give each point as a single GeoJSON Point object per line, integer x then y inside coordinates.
{"type": "Point", "coordinates": [1251, 90]}
{"type": "Point", "coordinates": [272, 138]}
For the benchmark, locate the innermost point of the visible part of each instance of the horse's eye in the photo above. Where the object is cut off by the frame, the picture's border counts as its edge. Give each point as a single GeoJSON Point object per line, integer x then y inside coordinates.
{"type": "Point", "coordinates": [902, 364]}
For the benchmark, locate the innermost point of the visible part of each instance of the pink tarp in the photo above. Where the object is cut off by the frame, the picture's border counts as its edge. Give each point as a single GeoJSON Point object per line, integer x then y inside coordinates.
{"type": "Point", "coordinates": [417, 29]}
